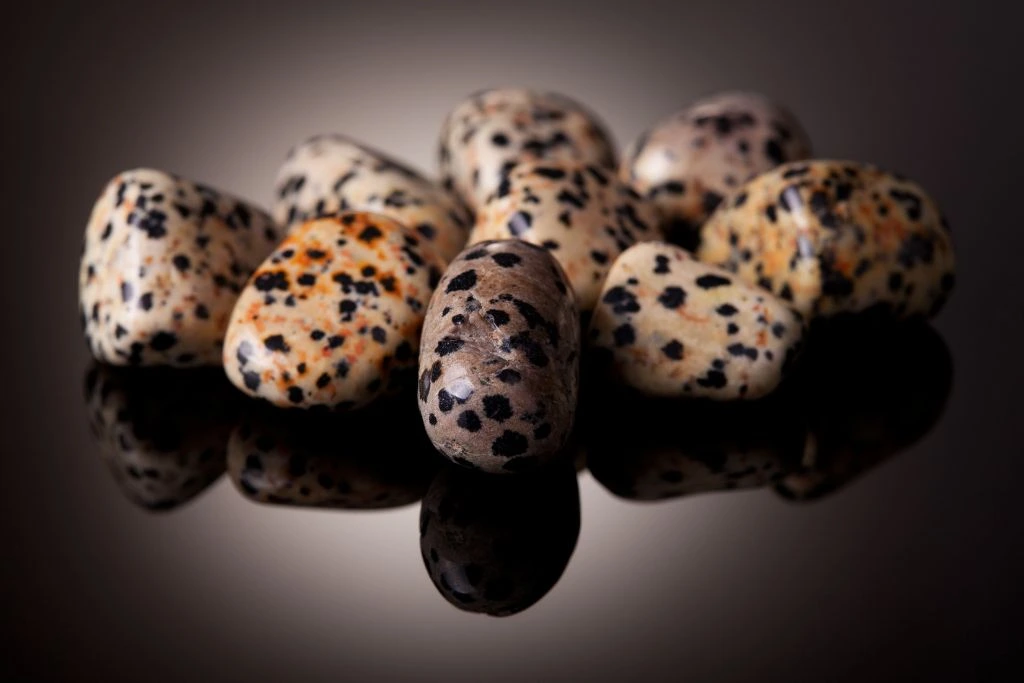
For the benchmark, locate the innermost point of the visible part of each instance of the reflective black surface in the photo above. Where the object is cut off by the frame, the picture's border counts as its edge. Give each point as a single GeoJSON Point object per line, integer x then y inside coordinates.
{"type": "Point", "coordinates": [863, 524]}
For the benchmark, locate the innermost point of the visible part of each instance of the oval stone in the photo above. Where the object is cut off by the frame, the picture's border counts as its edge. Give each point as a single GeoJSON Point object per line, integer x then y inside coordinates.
{"type": "Point", "coordinates": [831, 237]}
{"type": "Point", "coordinates": [492, 130]}
{"type": "Point", "coordinates": [499, 364]}
{"type": "Point", "coordinates": [333, 316]}
{"type": "Point", "coordinates": [580, 213]}
{"type": "Point", "coordinates": [690, 161]}
{"type": "Point", "coordinates": [162, 266]}
{"type": "Point", "coordinates": [673, 326]}
{"type": "Point", "coordinates": [331, 173]}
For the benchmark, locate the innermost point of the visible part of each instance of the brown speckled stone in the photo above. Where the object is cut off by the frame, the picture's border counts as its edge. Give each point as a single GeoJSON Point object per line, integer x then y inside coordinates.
{"type": "Point", "coordinates": [499, 364]}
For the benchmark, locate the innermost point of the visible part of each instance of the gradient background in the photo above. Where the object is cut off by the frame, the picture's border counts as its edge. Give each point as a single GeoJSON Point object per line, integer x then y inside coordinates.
{"type": "Point", "coordinates": [913, 572]}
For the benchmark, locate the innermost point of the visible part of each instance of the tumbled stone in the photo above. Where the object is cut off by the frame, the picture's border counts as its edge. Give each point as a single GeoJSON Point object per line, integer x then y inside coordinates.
{"type": "Point", "coordinates": [580, 213]}
{"type": "Point", "coordinates": [499, 363]}
{"type": "Point", "coordinates": [331, 173]}
{"type": "Point", "coordinates": [833, 237]}
{"type": "Point", "coordinates": [162, 266]}
{"type": "Point", "coordinates": [689, 162]}
{"type": "Point", "coordinates": [333, 316]}
{"type": "Point", "coordinates": [491, 131]}
{"type": "Point", "coordinates": [672, 326]}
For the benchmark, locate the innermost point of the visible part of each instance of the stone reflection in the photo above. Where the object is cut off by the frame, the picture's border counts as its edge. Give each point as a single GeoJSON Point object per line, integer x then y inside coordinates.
{"type": "Point", "coordinates": [870, 391]}
{"type": "Point", "coordinates": [866, 390]}
{"type": "Point", "coordinates": [378, 457]}
{"type": "Point", "coordinates": [163, 433]}
{"type": "Point", "coordinates": [497, 545]}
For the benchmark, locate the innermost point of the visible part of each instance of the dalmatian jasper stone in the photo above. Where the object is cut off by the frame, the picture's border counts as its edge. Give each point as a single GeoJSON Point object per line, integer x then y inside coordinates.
{"type": "Point", "coordinates": [580, 213]}
{"type": "Point", "coordinates": [672, 326]}
{"type": "Point", "coordinates": [330, 173]}
{"type": "Point", "coordinates": [371, 459]}
{"type": "Point", "coordinates": [162, 433]}
{"type": "Point", "coordinates": [497, 545]}
{"type": "Point", "coordinates": [687, 163]}
{"type": "Point", "coordinates": [833, 237]}
{"type": "Point", "coordinates": [163, 263]}
{"type": "Point", "coordinates": [493, 130]}
{"type": "Point", "coordinates": [499, 363]}
{"type": "Point", "coordinates": [333, 316]}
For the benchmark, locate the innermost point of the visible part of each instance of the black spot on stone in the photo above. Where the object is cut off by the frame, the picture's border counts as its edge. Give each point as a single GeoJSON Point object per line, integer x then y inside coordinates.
{"type": "Point", "coordinates": [469, 421]}
{"type": "Point", "coordinates": [462, 282]}
{"type": "Point", "coordinates": [379, 334]}
{"type": "Point", "coordinates": [323, 380]}
{"type": "Point", "coordinates": [295, 394]}
{"type": "Point", "coordinates": [448, 345]}
{"type": "Point", "coordinates": [773, 150]}
{"type": "Point", "coordinates": [162, 341]}
{"type": "Point", "coordinates": [624, 335]}
{"type": "Point", "coordinates": [673, 350]}
{"type": "Point", "coordinates": [661, 264]}
{"type": "Point", "coordinates": [506, 260]}
{"type": "Point", "coordinates": [710, 281]}
{"type": "Point", "coordinates": [269, 281]}
{"type": "Point", "coordinates": [497, 317]}
{"type": "Point", "coordinates": [714, 379]}
{"type": "Point", "coordinates": [275, 342]}
{"type": "Point", "coordinates": [509, 376]}
{"type": "Point", "coordinates": [369, 234]}
{"type": "Point", "coordinates": [445, 401]}
{"type": "Point", "coordinates": [251, 379]}
{"type": "Point", "coordinates": [497, 407]}
{"type": "Point", "coordinates": [726, 310]}
{"type": "Point", "coordinates": [621, 299]}
{"type": "Point", "coordinates": [673, 297]}
{"type": "Point", "coordinates": [519, 223]}
{"type": "Point", "coordinates": [181, 262]}
{"type": "Point", "coordinates": [509, 444]}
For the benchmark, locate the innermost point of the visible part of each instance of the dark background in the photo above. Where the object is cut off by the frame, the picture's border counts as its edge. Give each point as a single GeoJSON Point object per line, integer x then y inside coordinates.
{"type": "Point", "coordinates": [911, 572]}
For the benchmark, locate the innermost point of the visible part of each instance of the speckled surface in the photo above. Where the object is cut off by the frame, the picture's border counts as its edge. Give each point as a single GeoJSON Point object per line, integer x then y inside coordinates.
{"type": "Point", "coordinates": [670, 325]}
{"type": "Point", "coordinates": [579, 212]}
{"type": "Point", "coordinates": [163, 262]}
{"type": "Point", "coordinates": [499, 364]}
{"type": "Point", "coordinates": [490, 131]}
{"type": "Point", "coordinates": [688, 162]}
{"type": "Point", "coordinates": [331, 173]}
{"type": "Point", "coordinates": [836, 236]}
{"type": "Point", "coordinates": [333, 316]}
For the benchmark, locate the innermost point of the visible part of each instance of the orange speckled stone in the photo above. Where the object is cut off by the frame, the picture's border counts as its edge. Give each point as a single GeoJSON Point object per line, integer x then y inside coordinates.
{"type": "Point", "coordinates": [836, 236]}
{"type": "Point", "coordinates": [333, 316]}
{"type": "Point", "coordinates": [580, 213]}
{"type": "Point", "coordinates": [673, 326]}
{"type": "Point", "coordinates": [491, 131]}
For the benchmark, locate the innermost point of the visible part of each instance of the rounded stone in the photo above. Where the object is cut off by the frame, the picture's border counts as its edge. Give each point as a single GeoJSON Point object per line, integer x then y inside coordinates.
{"type": "Point", "coordinates": [328, 174]}
{"type": "Point", "coordinates": [499, 363]}
{"type": "Point", "coordinates": [689, 162]}
{"type": "Point", "coordinates": [832, 237]}
{"type": "Point", "coordinates": [333, 316]}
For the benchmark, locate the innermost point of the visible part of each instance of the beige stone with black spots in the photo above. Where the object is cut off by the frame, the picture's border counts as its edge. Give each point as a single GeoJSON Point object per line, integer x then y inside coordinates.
{"type": "Point", "coordinates": [669, 325]}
